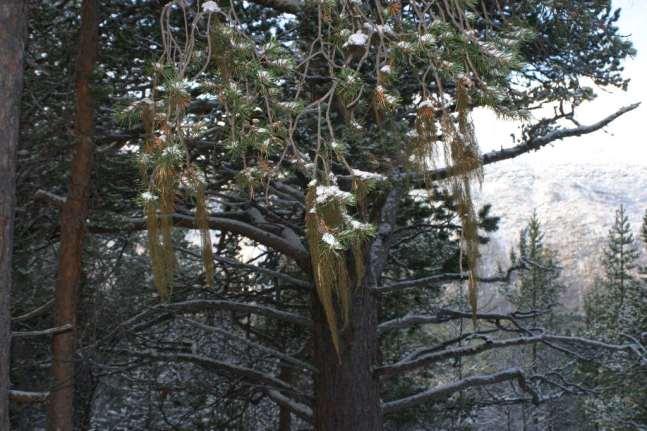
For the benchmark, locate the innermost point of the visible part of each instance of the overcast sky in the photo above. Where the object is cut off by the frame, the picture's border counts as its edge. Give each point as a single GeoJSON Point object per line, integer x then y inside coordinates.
{"type": "Point", "coordinates": [625, 140]}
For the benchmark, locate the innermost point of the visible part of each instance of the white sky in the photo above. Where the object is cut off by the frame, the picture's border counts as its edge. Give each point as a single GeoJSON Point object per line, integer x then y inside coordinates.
{"type": "Point", "coordinates": [621, 143]}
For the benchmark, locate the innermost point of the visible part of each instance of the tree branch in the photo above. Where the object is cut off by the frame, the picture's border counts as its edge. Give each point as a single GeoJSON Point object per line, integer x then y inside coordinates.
{"type": "Point", "coordinates": [445, 278]}
{"type": "Point", "coordinates": [252, 377]}
{"type": "Point", "coordinates": [301, 410]}
{"type": "Point", "coordinates": [201, 305]}
{"type": "Point", "coordinates": [35, 312]}
{"type": "Point", "coordinates": [49, 331]}
{"type": "Point", "coordinates": [289, 247]}
{"type": "Point", "coordinates": [445, 315]}
{"type": "Point", "coordinates": [279, 355]}
{"type": "Point", "coordinates": [419, 361]}
{"type": "Point", "coordinates": [446, 391]}
{"type": "Point", "coordinates": [302, 284]}
{"type": "Point", "coordinates": [28, 397]}
{"type": "Point", "coordinates": [534, 143]}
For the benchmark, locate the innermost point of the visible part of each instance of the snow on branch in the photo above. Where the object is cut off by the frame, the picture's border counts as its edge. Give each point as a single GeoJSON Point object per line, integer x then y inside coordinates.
{"type": "Point", "coordinates": [414, 362]}
{"type": "Point", "coordinates": [286, 6]}
{"type": "Point", "coordinates": [446, 278]}
{"type": "Point", "coordinates": [445, 391]}
{"type": "Point", "coordinates": [250, 376]}
{"type": "Point", "coordinates": [28, 396]}
{"type": "Point", "coordinates": [201, 305]}
{"type": "Point", "coordinates": [301, 410]}
{"type": "Point", "coordinates": [38, 333]}
{"type": "Point", "coordinates": [534, 143]}
{"type": "Point", "coordinates": [445, 315]}
{"type": "Point", "coordinates": [272, 352]}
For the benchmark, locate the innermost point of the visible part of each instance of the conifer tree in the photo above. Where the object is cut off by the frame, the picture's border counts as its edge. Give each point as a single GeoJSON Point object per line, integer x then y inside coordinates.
{"type": "Point", "coordinates": [612, 306]}
{"type": "Point", "coordinates": [538, 286]}
{"type": "Point", "coordinates": [307, 135]}
{"type": "Point", "coordinates": [537, 291]}
{"type": "Point", "coordinates": [615, 310]}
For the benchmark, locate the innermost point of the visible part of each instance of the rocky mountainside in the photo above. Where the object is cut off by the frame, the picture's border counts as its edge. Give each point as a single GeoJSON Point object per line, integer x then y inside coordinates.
{"type": "Point", "coordinates": [576, 204]}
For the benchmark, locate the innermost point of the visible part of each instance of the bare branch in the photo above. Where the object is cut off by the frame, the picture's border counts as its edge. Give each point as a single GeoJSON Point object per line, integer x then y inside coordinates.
{"type": "Point", "coordinates": [35, 312]}
{"type": "Point", "coordinates": [258, 269]}
{"type": "Point", "coordinates": [445, 278]}
{"type": "Point", "coordinates": [28, 397]}
{"type": "Point", "coordinates": [423, 360]}
{"type": "Point", "coordinates": [250, 376]}
{"type": "Point", "coordinates": [536, 143]}
{"type": "Point", "coordinates": [200, 305]}
{"type": "Point", "coordinates": [290, 248]}
{"type": "Point", "coordinates": [279, 355]}
{"type": "Point", "coordinates": [51, 199]}
{"type": "Point", "coordinates": [49, 331]}
{"type": "Point", "coordinates": [445, 315]}
{"type": "Point", "coordinates": [445, 391]}
{"type": "Point", "coordinates": [301, 410]}
{"type": "Point", "coordinates": [162, 311]}
{"type": "Point", "coordinates": [287, 246]}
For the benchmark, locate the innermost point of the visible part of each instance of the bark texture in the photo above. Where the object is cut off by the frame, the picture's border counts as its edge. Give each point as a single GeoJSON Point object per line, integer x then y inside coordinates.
{"type": "Point", "coordinates": [347, 395]}
{"type": "Point", "coordinates": [73, 215]}
{"type": "Point", "coordinates": [12, 20]}
{"type": "Point", "coordinates": [347, 391]}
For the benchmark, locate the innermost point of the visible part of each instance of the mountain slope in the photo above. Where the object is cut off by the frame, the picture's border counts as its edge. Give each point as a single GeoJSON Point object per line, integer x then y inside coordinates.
{"type": "Point", "coordinates": [576, 204]}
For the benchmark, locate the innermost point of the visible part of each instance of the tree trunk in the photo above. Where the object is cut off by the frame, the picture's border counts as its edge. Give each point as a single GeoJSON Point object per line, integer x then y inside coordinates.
{"type": "Point", "coordinates": [73, 215]}
{"type": "Point", "coordinates": [347, 395]}
{"type": "Point", "coordinates": [12, 19]}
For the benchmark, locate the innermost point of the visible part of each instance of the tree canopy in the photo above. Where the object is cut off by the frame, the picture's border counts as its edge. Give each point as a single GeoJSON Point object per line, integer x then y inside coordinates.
{"type": "Point", "coordinates": [281, 215]}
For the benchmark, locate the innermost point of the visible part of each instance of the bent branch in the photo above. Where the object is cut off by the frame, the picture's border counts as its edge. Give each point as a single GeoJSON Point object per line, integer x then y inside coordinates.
{"type": "Point", "coordinates": [447, 390]}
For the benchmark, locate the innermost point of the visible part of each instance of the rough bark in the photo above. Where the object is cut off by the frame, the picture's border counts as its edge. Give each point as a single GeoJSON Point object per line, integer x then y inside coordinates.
{"type": "Point", "coordinates": [285, 415]}
{"type": "Point", "coordinates": [11, 76]}
{"type": "Point", "coordinates": [347, 392]}
{"type": "Point", "coordinates": [347, 396]}
{"type": "Point", "coordinates": [73, 215]}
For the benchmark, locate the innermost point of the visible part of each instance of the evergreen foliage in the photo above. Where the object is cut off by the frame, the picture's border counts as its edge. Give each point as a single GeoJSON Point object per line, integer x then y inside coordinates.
{"type": "Point", "coordinates": [538, 287]}
{"type": "Point", "coordinates": [613, 306]}
{"type": "Point", "coordinates": [615, 310]}
{"type": "Point", "coordinates": [285, 137]}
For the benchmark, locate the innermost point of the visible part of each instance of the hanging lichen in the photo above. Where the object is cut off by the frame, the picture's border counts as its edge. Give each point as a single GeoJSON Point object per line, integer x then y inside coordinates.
{"type": "Point", "coordinates": [202, 223]}
{"type": "Point", "coordinates": [328, 264]}
{"type": "Point", "coordinates": [461, 155]}
{"type": "Point", "coordinates": [279, 108]}
{"type": "Point", "coordinates": [155, 249]}
{"type": "Point", "coordinates": [331, 233]}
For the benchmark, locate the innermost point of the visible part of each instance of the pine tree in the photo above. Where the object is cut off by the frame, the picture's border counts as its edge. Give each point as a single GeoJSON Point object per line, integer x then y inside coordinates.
{"type": "Point", "coordinates": [339, 103]}
{"type": "Point", "coordinates": [537, 290]}
{"type": "Point", "coordinates": [612, 306]}
{"type": "Point", "coordinates": [538, 286]}
{"type": "Point", "coordinates": [615, 310]}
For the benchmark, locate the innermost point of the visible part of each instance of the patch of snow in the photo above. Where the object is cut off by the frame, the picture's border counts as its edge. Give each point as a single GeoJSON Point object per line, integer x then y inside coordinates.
{"type": "Point", "coordinates": [210, 7]}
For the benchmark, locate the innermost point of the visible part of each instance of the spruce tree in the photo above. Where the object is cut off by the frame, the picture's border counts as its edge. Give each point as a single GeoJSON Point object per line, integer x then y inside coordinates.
{"type": "Point", "coordinates": [538, 289]}
{"type": "Point", "coordinates": [538, 286]}
{"type": "Point", "coordinates": [612, 306]}
{"type": "Point", "coordinates": [615, 308]}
